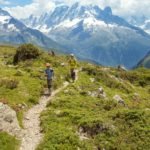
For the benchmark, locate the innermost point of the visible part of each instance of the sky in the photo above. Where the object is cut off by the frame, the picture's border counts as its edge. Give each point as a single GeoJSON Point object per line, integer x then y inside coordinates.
{"type": "Point", "coordinates": [123, 8]}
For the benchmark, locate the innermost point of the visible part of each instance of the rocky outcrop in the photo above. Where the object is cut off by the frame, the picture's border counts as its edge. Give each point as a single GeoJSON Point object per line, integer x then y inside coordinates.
{"type": "Point", "coordinates": [8, 120]}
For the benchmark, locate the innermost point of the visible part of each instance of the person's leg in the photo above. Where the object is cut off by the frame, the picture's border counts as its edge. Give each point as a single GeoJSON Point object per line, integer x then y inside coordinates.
{"type": "Point", "coordinates": [73, 74]}
{"type": "Point", "coordinates": [49, 86]}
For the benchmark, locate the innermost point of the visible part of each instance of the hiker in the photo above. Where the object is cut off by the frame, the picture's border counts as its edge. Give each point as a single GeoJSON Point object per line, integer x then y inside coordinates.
{"type": "Point", "coordinates": [49, 73]}
{"type": "Point", "coordinates": [53, 53]}
{"type": "Point", "coordinates": [73, 65]}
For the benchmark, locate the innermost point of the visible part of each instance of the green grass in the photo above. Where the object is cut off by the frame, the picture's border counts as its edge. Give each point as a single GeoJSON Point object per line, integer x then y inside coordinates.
{"type": "Point", "coordinates": [106, 123]}
{"type": "Point", "coordinates": [8, 142]}
{"type": "Point", "coordinates": [28, 76]}
{"type": "Point", "coordinates": [24, 83]}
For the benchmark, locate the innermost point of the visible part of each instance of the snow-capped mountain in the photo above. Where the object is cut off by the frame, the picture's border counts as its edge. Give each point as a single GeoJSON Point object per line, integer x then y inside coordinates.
{"type": "Point", "coordinates": [12, 31]}
{"type": "Point", "coordinates": [94, 34]}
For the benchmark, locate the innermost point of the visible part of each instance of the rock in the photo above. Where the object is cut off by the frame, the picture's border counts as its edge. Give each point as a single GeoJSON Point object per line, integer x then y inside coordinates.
{"type": "Point", "coordinates": [63, 64]}
{"type": "Point", "coordinates": [94, 94]}
{"type": "Point", "coordinates": [103, 96]}
{"type": "Point", "coordinates": [82, 135]}
{"type": "Point", "coordinates": [22, 106]}
{"type": "Point", "coordinates": [100, 90]}
{"type": "Point", "coordinates": [119, 99]}
{"type": "Point", "coordinates": [89, 93]}
{"type": "Point", "coordinates": [101, 93]}
{"type": "Point", "coordinates": [8, 120]}
{"type": "Point", "coordinates": [121, 68]}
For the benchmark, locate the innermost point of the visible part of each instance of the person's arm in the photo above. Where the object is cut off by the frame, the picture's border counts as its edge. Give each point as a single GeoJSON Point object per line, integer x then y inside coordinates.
{"type": "Point", "coordinates": [53, 74]}
{"type": "Point", "coordinates": [45, 73]}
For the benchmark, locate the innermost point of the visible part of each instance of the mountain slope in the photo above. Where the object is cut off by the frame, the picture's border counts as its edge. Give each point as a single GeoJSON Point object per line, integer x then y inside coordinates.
{"type": "Point", "coordinates": [145, 62]}
{"type": "Point", "coordinates": [94, 34]}
{"type": "Point", "coordinates": [12, 31]}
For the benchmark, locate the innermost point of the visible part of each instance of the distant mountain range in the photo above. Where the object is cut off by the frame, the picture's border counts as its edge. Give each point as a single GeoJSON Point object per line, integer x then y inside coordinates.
{"type": "Point", "coordinates": [94, 34]}
{"type": "Point", "coordinates": [88, 31]}
{"type": "Point", "coordinates": [13, 31]}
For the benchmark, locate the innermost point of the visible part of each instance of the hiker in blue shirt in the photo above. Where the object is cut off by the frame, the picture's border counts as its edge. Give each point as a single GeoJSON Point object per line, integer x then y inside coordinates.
{"type": "Point", "coordinates": [49, 73]}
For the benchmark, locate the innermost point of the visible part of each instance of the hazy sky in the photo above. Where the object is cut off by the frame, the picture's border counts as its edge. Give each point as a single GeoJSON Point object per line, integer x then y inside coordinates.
{"type": "Point", "coordinates": [124, 8]}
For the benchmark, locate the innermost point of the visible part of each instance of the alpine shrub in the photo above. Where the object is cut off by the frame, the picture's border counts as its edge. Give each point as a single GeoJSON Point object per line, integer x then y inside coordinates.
{"type": "Point", "coordinates": [25, 52]}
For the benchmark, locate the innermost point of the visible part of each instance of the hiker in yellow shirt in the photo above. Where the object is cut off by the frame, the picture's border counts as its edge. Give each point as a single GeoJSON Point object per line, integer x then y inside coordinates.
{"type": "Point", "coordinates": [73, 66]}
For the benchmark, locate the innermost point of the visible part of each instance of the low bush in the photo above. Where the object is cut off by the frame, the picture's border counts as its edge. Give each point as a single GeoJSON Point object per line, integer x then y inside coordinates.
{"type": "Point", "coordinates": [25, 52]}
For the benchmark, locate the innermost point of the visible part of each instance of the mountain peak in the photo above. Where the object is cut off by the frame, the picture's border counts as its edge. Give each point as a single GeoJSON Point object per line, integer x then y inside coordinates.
{"type": "Point", "coordinates": [108, 10]}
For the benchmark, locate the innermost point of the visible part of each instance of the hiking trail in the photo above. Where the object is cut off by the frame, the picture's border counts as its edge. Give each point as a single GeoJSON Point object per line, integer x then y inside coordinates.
{"type": "Point", "coordinates": [31, 134]}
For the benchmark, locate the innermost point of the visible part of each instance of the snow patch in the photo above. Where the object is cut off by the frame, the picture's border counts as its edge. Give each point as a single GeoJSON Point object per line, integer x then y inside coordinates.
{"type": "Point", "coordinates": [4, 19]}
{"type": "Point", "coordinates": [147, 21]}
{"type": "Point", "coordinates": [92, 22]}
{"type": "Point", "coordinates": [69, 23]}
{"type": "Point", "coordinates": [148, 31]}
{"type": "Point", "coordinates": [12, 27]}
{"type": "Point", "coordinates": [43, 29]}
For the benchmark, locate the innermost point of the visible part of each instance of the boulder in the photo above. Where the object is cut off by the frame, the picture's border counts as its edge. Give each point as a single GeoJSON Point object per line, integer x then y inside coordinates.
{"type": "Point", "coordinates": [92, 94]}
{"type": "Point", "coordinates": [8, 120]}
{"type": "Point", "coordinates": [119, 99]}
{"type": "Point", "coordinates": [101, 93]}
{"type": "Point", "coordinates": [121, 68]}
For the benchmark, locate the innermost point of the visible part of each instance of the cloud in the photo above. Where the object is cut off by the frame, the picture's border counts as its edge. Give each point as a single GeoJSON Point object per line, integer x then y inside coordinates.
{"type": "Point", "coordinates": [4, 2]}
{"type": "Point", "coordinates": [37, 7]}
{"type": "Point", "coordinates": [123, 8]}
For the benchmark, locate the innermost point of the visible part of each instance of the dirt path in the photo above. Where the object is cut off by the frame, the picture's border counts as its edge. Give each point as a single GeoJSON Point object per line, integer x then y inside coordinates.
{"type": "Point", "coordinates": [31, 135]}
